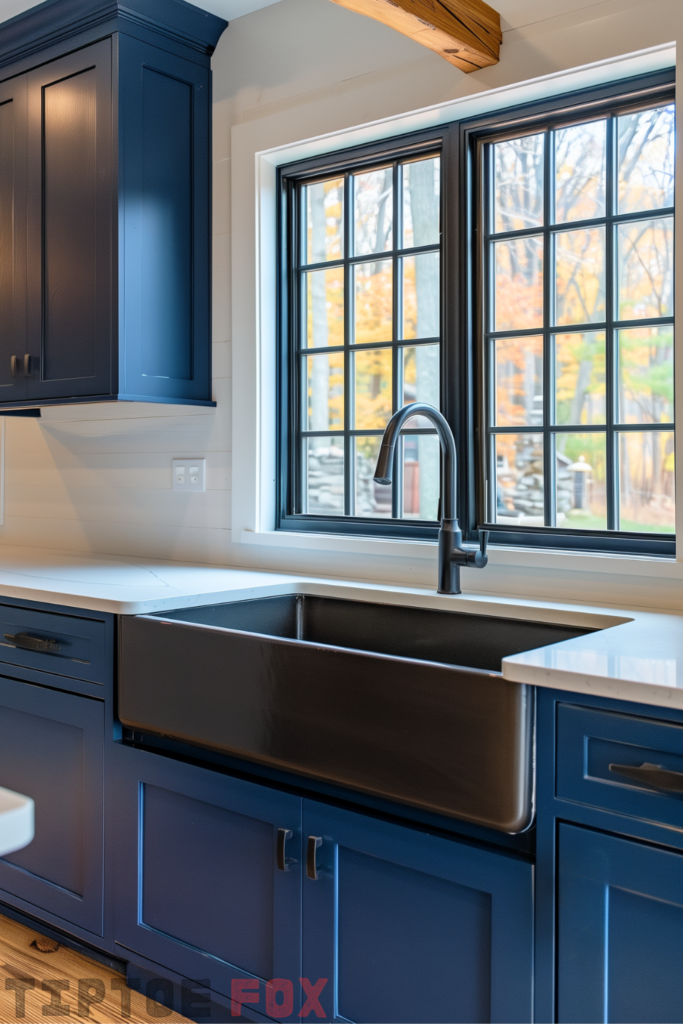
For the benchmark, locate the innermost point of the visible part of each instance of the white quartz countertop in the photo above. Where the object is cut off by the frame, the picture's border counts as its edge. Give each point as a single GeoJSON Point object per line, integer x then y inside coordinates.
{"type": "Point", "coordinates": [632, 655]}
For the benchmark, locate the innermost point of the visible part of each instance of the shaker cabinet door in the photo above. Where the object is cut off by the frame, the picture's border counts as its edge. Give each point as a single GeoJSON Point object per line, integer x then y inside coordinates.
{"type": "Point", "coordinates": [51, 749]}
{"type": "Point", "coordinates": [203, 884]}
{"type": "Point", "coordinates": [12, 236]}
{"type": "Point", "coordinates": [403, 926]}
{"type": "Point", "coordinates": [71, 214]}
{"type": "Point", "coordinates": [165, 142]}
{"type": "Point", "coordinates": [620, 930]}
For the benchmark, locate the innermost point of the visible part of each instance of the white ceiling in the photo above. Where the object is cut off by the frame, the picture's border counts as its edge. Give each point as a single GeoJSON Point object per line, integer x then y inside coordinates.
{"type": "Point", "coordinates": [228, 9]}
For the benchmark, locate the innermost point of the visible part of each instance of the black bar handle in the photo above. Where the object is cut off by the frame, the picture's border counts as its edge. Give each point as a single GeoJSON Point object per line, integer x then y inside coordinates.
{"type": "Point", "coordinates": [15, 365]}
{"type": "Point", "coordinates": [654, 775]}
{"type": "Point", "coordinates": [33, 643]}
{"type": "Point", "coordinates": [314, 844]}
{"type": "Point", "coordinates": [283, 834]}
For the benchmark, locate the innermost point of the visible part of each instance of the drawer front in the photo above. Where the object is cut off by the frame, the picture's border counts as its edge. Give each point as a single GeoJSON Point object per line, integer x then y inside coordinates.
{"type": "Point", "coordinates": [62, 645]}
{"type": "Point", "coordinates": [646, 759]}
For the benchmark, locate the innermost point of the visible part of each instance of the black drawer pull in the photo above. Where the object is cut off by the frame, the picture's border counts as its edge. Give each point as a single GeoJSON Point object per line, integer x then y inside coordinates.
{"type": "Point", "coordinates": [652, 775]}
{"type": "Point", "coordinates": [33, 643]}
{"type": "Point", "coordinates": [314, 844]}
{"type": "Point", "coordinates": [283, 834]}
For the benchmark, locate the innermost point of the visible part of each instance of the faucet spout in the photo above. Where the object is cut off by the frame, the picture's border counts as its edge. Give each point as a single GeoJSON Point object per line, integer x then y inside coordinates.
{"type": "Point", "coordinates": [451, 552]}
{"type": "Point", "coordinates": [385, 460]}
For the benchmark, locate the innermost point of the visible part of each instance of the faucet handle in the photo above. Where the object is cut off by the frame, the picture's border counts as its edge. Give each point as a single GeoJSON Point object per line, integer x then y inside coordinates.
{"type": "Point", "coordinates": [479, 558]}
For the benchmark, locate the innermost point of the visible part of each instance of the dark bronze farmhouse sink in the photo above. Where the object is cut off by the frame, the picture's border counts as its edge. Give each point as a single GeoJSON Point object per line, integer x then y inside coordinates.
{"type": "Point", "coordinates": [404, 703]}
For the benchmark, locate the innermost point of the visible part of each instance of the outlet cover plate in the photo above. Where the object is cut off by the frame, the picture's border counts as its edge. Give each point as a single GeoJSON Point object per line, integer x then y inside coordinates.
{"type": "Point", "coordinates": [189, 474]}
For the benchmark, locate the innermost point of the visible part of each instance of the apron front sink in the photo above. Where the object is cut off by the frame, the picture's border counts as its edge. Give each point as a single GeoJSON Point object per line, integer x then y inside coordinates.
{"type": "Point", "coordinates": [408, 704]}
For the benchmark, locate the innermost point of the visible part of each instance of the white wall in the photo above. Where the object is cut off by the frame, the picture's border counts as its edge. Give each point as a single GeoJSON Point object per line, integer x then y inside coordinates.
{"type": "Point", "coordinates": [98, 478]}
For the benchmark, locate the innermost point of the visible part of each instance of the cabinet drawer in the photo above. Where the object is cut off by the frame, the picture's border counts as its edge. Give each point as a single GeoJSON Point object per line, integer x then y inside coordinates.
{"type": "Point", "coordinates": [611, 761]}
{"type": "Point", "coordinates": [63, 645]}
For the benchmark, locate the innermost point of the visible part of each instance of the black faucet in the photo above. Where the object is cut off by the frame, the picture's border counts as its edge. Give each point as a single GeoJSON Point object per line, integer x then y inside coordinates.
{"type": "Point", "coordinates": [451, 552]}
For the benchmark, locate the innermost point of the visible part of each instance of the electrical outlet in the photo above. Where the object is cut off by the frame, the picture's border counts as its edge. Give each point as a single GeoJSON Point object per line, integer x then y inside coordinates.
{"type": "Point", "coordinates": [189, 474]}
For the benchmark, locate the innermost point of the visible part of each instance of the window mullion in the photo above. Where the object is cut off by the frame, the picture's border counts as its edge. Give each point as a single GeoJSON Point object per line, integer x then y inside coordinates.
{"type": "Point", "coordinates": [549, 503]}
{"type": "Point", "coordinates": [485, 295]}
{"type": "Point", "coordinates": [349, 443]}
{"type": "Point", "coordinates": [298, 461]}
{"type": "Point", "coordinates": [396, 303]}
{"type": "Point", "coordinates": [611, 439]}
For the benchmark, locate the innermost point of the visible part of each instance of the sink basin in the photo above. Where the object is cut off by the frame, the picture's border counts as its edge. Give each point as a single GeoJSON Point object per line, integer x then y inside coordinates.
{"type": "Point", "coordinates": [404, 703]}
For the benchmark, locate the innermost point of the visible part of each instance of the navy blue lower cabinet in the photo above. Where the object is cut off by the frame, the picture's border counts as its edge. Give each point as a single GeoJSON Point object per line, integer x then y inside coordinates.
{"type": "Point", "coordinates": [403, 926]}
{"type": "Point", "coordinates": [51, 750]}
{"type": "Point", "coordinates": [620, 953]}
{"type": "Point", "coordinates": [207, 884]}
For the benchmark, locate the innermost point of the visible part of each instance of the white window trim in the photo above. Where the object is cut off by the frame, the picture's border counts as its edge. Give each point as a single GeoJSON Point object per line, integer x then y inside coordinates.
{"type": "Point", "coordinates": [259, 147]}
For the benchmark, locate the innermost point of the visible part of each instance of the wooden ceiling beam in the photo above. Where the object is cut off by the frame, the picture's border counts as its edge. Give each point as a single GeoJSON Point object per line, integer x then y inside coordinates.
{"type": "Point", "coordinates": [464, 32]}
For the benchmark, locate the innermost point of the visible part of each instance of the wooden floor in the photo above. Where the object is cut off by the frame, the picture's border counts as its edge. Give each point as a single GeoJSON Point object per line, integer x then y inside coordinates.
{"type": "Point", "coordinates": [26, 975]}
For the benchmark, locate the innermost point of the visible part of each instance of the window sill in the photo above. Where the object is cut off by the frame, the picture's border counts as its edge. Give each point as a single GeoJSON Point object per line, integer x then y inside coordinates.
{"type": "Point", "coordinates": [512, 557]}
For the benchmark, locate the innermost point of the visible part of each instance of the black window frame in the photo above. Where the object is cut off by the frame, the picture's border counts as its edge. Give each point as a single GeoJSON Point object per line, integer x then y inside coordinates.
{"type": "Point", "coordinates": [463, 373]}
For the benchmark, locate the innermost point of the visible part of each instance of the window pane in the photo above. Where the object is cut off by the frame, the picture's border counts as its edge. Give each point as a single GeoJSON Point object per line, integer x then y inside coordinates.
{"type": "Point", "coordinates": [580, 172]}
{"type": "Point", "coordinates": [374, 295]}
{"type": "Point", "coordinates": [323, 476]}
{"type": "Point", "coordinates": [421, 375]}
{"type": "Point", "coordinates": [372, 499]}
{"type": "Point", "coordinates": [421, 476]}
{"type": "Point", "coordinates": [421, 296]}
{"type": "Point", "coordinates": [325, 390]}
{"type": "Point", "coordinates": [372, 374]}
{"type": "Point", "coordinates": [324, 324]}
{"type": "Point", "coordinates": [324, 206]}
{"type": "Point", "coordinates": [646, 268]}
{"type": "Point", "coordinates": [646, 159]}
{"type": "Point", "coordinates": [519, 479]}
{"type": "Point", "coordinates": [646, 481]}
{"type": "Point", "coordinates": [421, 202]}
{"type": "Point", "coordinates": [580, 475]}
{"type": "Point", "coordinates": [646, 375]}
{"type": "Point", "coordinates": [518, 188]}
{"type": "Point", "coordinates": [374, 211]}
{"type": "Point", "coordinates": [519, 284]}
{"type": "Point", "coordinates": [580, 276]}
{"type": "Point", "coordinates": [580, 378]}
{"type": "Point", "coordinates": [519, 381]}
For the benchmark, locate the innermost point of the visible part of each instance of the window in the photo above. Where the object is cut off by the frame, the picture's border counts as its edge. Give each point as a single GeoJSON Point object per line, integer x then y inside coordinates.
{"type": "Point", "coordinates": [579, 323]}
{"type": "Point", "coordinates": [366, 335]}
{"type": "Point", "coordinates": [515, 271]}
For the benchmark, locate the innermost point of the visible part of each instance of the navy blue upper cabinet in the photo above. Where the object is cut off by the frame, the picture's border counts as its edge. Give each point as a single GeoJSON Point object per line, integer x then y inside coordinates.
{"type": "Point", "coordinates": [105, 283]}
{"type": "Point", "coordinates": [13, 124]}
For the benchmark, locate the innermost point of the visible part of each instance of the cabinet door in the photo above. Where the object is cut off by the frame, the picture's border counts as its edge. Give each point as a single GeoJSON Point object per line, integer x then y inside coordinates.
{"type": "Point", "coordinates": [198, 887]}
{"type": "Point", "coordinates": [51, 747]}
{"type": "Point", "coordinates": [70, 218]}
{"type": "Point", "coordinates": [620, 930]}
{"type": "Point", "coordinates": [404, 926]}
{"type": "Point", "coordinates": [12, 234]}
{"type": "Point", "coordinates": [165, 142]}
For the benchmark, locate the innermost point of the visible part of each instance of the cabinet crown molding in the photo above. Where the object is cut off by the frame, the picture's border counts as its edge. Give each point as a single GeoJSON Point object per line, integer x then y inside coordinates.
{"type": "Point", "coordinates": [51, 22]}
